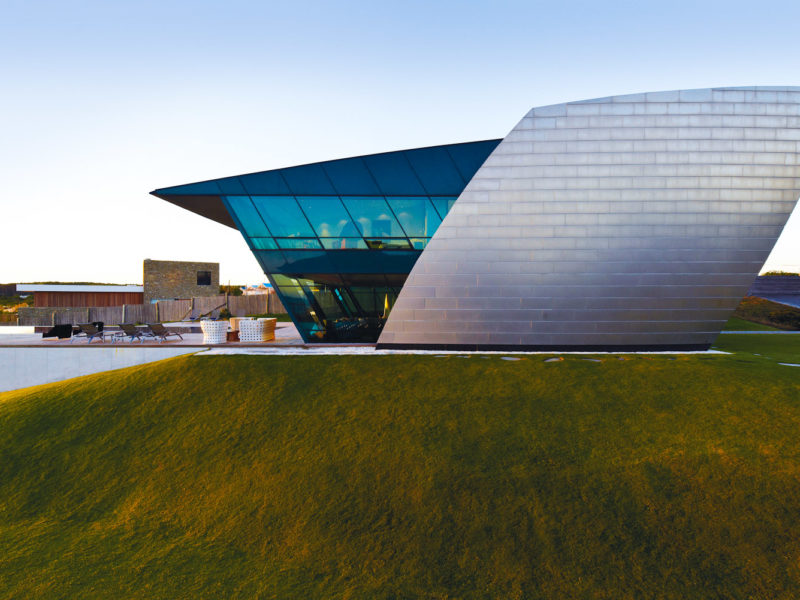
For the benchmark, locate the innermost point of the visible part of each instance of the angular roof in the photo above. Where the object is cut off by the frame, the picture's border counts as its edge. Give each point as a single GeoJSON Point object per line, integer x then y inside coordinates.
{"type": "Point", "coordinates": [434, 171]}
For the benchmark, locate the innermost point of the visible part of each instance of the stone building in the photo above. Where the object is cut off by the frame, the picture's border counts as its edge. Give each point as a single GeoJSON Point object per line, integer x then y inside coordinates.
{"type": "Point", "coordinates": [172, 280]}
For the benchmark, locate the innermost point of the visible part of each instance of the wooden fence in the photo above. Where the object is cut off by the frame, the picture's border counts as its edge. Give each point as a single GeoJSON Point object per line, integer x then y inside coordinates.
{"type": "Point", "coordinates": [162, 311]}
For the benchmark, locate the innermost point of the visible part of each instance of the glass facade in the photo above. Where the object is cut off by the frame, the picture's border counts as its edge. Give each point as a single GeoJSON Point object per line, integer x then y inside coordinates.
{"type": "Point", "coordinates": [338, 239]}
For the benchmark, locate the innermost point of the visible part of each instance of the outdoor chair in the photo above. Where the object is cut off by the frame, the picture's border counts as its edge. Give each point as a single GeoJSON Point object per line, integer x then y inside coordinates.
{"type": "Point", "coordinates": [130, 331]}
{"type": "Point", "coordinates": [89, 331]}
{"type": "Point", "coordinates": [214, 332]}
{"type": "Point", "coordinates": [259, 330]}
{"type": "Point", "coordinates": [157, 330]}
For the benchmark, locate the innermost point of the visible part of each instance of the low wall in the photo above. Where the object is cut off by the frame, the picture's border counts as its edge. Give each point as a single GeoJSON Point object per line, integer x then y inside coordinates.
{"type": "Point", "coordinates": [771, 285]}
{"type": "Point", "coordinates": [162, 311]}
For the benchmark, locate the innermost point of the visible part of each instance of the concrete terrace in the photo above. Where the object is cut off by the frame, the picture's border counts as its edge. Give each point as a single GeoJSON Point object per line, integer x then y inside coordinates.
{"type": "Point", "coordinates": [27, 359]}
{"type": "Point", "coordinates": [285, 334]}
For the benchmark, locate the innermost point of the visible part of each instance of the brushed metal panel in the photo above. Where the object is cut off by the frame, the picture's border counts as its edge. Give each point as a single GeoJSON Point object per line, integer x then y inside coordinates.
{"type": "Point", "coordinates": [634, 221]}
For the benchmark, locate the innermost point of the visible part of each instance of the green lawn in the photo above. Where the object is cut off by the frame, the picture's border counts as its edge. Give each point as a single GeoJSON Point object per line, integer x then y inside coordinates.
{"type": "Point", "coordinates": [378, 477]}
{"type": "Point", "coordinates": [737, 324]}
{"type": "Point", "coordinates": [766, 312]}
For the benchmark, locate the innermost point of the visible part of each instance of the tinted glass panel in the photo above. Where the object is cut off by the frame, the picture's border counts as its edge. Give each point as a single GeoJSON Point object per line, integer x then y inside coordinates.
{"type": "Point", "coordinates": [297, 304]}
{"type": "Point", "coordinates": [394, 174]}
{"type": "Point", "coordinates": [469, 157]}
{"type": "Point", "coordinates": [416, 215]}
{"type": "Point", "coordinates": [344, 243]}
{"type": "Point", "coordinates": [309, 179]}
{"type": "Point", "coordinates": [248, 217]}
{"type": "Point", "coordinates": [326, 303]}
{"type": "Point", "coordinates": [283, 280]}
{"type": "Point", "coordinates": [293, 292]}
{"type": "Point", "coordinates": [263, 243]}
{"type": "Point", "coordinates": [419, 243]}
{"type": "Point", "coordinates": [210, 188]}
{"type": "Point", "coordinates": [264, 184]}
{"type": "Point", "coordinates": [231, 185]}
{"type": "Point", "coordinates": [328, 216]}
{"type": "Point", "coordinates": [298, 243]}
{"type": "Point", "coordinates": [387, 243]}
{"type": "Point", "coordinates": [350, 177]}
{"type": "Point", "coordinates": [373, 300]}
{"type": "Point", "coordinates": [283, 216]}
{"type": "Point", "coordinates": [444, 204]}
{"type": "Point", "coordinates": [270, 260]}
{"type": "Point", "coordinates": [347, 301]}
{"type": "Point", "coordinates": [386, 261]}
{"type": "Point", "coordinates": [373, 217]}
{"type": "Point", "coordinates": [436, 170]}
{"type": "Point", "coordinates": [308, 261]}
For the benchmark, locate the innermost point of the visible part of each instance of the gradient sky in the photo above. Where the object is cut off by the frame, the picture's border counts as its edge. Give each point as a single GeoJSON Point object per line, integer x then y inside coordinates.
{"type": "Point", "coordinates": [103, 102]}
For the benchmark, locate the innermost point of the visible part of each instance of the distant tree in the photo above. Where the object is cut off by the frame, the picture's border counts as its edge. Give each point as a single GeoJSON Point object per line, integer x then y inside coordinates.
{"type": "Point", "coordinates": [231, 290]}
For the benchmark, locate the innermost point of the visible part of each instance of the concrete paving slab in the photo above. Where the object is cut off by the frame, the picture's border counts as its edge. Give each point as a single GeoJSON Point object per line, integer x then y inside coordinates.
{"type": "Point", "coordinates": [25, 367]}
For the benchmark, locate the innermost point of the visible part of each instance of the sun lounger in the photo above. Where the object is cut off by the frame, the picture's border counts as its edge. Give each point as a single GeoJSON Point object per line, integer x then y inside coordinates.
{"type": "Point", "coordinates": [89, 331]}
{"type": "Point", "coordinates": [157, 330]}
{"type": "Point", "coordinates": [130, 331]}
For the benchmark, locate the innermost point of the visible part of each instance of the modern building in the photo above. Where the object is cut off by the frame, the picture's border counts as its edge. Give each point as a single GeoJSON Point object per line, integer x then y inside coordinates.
{"type": "Point", "coordinates": [627, 222]}
{"type": "Point", "coordinates": [338, 239]}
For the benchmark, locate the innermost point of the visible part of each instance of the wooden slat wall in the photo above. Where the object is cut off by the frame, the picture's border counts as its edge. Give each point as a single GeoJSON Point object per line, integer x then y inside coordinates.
{"type": "Point", "coordinates": [110, 315]}
{"type": "Point", "coordinates": [165, 311]}
{"type": "Point", "coordinates": [173, 310]}
{"type": "Point", "coordinates": [83, 299]}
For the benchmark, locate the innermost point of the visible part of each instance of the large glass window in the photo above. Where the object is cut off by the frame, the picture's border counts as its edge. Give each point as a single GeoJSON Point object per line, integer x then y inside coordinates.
{"type": "Point", "coordinates": [263, 243]}
{"type": "Point", "coordinates": [393, 174]}
{"type": "Point", "coordinates": [387, 243]}
{"type": "Point", "coordinates": [344, 243]}
{"type": "Point", "coordinates": [416, 215]}
{"type": "Point", "coordinates": [443, 204]}
{"type": "Point", "coordinates": [298, 243]}
{"type": "Point", "coordinates": [283, 216]}
{"type": "Point", "coordinates": [373, 217]}
{"type": "Point", "coordinates": [350, 176]}
{"type": "Point", "coordinates": [419, 243]}
{"type": "Point", "coordinates": [251, 221]}
{"type": "Point", "coordinates": [328, 216]}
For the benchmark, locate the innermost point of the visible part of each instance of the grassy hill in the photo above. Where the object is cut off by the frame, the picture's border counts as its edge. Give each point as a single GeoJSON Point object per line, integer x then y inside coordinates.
{"type": "Point", "coordinates": [765, 312]}
{"type": "Point", "coordinates": [409, 477]}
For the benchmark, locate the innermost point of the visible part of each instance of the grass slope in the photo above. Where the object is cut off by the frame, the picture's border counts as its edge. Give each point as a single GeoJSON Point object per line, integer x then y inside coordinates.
{"type": "Point", "coordinates": [408, 477]}
{"type": "Point", "coordinates": [766, 312]}
{"type": "Point", "coordinates": [737, 324]}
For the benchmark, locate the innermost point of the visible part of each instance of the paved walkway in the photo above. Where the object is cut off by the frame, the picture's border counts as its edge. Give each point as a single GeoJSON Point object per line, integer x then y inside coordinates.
{"type": "Point", "coordinates": [285, 333]}
{"type": "Point", "coordinates": [26, 359]}
{"type": "Point", "coordinates": [763, 332]}
{"type": "Point", "coordinates": [22, 367]}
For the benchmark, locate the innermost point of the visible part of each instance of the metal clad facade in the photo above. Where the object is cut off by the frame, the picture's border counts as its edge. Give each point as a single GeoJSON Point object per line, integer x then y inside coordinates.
{"type": "Point", "coordinates": [628, 221]}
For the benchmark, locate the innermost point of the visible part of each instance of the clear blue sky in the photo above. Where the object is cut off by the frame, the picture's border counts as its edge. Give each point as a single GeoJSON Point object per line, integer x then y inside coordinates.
{"type": "Point", "coordinates": [103, 102]}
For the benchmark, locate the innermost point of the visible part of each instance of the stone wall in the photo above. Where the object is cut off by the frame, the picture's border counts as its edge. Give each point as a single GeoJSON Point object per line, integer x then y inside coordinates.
{"type": "Point", "coordinates": [170, 280]}
{"type": "Point", "coordinates": [770, 285]}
